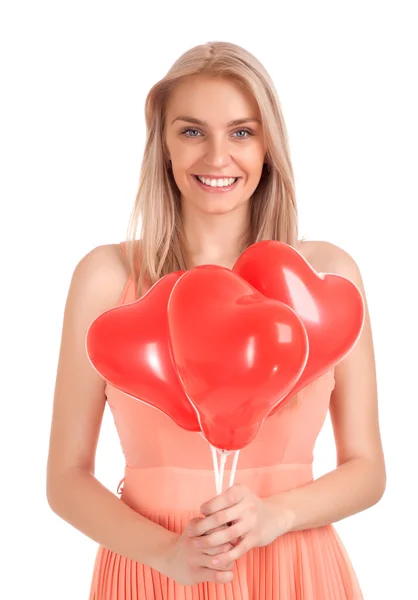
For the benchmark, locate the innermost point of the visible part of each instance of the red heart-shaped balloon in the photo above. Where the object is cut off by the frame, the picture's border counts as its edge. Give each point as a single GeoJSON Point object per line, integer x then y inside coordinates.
{"type": "Point", "coordinates": [330, 306]}
{"type": "Point", "coordinates": [237, 352]}
{"type": "Point", "coordinates": [129, 347]}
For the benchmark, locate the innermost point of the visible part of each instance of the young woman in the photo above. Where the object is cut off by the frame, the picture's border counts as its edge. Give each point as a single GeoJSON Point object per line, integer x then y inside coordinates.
{"type": "Point", "coordinates": [216, 177]}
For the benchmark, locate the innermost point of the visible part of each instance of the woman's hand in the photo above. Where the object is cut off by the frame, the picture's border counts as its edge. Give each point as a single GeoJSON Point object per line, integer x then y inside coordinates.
{"type": "Point", "coordinates": [187, 564]}
{"type": "Point", "coordinates": [253, 522]}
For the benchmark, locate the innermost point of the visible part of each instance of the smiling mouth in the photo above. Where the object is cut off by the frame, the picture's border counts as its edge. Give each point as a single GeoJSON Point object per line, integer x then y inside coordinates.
{"type": "Point", "coordinates": [224, 182]}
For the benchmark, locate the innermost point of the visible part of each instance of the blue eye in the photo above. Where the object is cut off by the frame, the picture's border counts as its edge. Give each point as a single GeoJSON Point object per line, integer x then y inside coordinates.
{"type": "Point", "coordinates": [240, 137]}
{"type": "Point", "coordinates": [248, 131]}
{"type": "Point", "coordinates": [187, 130]}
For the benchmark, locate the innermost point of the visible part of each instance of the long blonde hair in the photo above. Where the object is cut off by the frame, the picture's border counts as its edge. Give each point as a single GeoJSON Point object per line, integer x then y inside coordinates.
{"type": "Point", "coordinates": [273, 204]}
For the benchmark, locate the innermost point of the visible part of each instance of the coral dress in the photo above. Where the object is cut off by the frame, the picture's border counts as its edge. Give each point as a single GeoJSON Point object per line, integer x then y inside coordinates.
{"type": "Point", "coordinates": [169, 474]}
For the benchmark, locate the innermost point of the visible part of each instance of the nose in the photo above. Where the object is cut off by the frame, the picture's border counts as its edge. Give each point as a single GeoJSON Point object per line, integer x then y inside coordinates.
{"type": "Point", "coordinates": [217, 152]}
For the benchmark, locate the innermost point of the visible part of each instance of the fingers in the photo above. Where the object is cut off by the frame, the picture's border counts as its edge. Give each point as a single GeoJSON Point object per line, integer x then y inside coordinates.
{"type": "Point", "coordinates": [219, 519]}
{"type": "Point", "coordinates": [201, 561]}
{"type": "Point", "coordinates": [192, 524]}
{"type": "Point", "coordinates": [217, 529]}
{"type": "Point", "coordinates": [213, 562]}
{"type": "Point", "coordinates": [229, 497]}
{"type": "Point", "coordinates": [226, 535]}
{"type": "Point", "coordinates": [218, 549]}
{"type": "Point", "coordinates": [245, 544]}
{"type": "Point", "coordinates": [205, 574]}
{"type": "Point", "coordinates": [204, 557]}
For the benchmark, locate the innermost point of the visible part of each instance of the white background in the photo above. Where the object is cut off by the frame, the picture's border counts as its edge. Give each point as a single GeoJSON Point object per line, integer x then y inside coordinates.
{"type": "Point", "coordinates": [74, 80]}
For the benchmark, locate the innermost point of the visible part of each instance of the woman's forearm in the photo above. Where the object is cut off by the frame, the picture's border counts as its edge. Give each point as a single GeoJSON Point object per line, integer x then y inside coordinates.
{"type": "Point", "coordinates": [81, 500]}
{"type": "Point", "coordinates": [349, 489]}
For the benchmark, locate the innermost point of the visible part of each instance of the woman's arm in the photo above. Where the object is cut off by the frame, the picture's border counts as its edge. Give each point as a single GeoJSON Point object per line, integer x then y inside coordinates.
{"type": "Point", "coordinates": [79, 400]}
{"type": "Point", "coordinates": [359, 480]}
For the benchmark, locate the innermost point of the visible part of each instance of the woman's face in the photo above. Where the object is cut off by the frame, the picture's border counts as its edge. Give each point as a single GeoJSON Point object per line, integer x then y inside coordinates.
{"type": "Point", "coordinates": [202, 140]}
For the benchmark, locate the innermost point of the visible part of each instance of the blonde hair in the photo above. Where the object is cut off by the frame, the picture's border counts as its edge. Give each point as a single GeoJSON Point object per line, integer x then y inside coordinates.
{"type": "Point", "coordinates": [273, 204]}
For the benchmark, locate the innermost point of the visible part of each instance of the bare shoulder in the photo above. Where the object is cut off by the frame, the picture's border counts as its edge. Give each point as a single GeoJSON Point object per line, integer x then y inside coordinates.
{"type": "Point", "coordinates": [326, 257]}
{"type": "Point", "coordinates": [101, 275]}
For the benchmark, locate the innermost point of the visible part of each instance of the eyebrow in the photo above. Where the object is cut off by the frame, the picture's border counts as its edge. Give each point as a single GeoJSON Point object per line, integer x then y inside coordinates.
{"type": "Point", "coordinates": [204, 124]}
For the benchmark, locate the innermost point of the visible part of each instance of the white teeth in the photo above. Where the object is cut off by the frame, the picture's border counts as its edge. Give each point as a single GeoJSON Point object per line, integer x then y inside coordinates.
{"type": "Point", "coordinates": [218, 182]}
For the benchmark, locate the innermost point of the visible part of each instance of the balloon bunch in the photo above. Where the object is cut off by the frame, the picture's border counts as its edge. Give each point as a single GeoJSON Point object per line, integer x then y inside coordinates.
{"type": "Point", "coordinates": [219, 350]}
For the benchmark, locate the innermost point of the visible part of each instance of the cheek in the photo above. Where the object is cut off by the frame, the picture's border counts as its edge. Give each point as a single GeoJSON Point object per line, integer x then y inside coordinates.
{"type": "Point", "coordinates": [179, 151]}
{"type": "Point", "coordinates": [252, 161]}
{"type": "Point", "coordinates": [184, 161]}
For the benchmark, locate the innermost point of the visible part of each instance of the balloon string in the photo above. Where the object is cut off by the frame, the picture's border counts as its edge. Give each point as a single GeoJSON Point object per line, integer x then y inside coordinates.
{"type": "Point", "coordinates": [219, 469]}
{"type": "Point", "coordinates": [234, 468]}
{"type": "Point", "coordinates": [215, 469]}
{"type": "Point", "coordinates": [224, 457]}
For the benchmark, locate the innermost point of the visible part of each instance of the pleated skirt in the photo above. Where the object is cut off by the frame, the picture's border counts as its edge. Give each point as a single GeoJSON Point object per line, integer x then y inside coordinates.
{"type": "Point", "coordinates": [302, 565]}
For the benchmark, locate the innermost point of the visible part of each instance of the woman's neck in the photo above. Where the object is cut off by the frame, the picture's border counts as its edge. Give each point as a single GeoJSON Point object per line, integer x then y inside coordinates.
{"type": "Point", "coordinates": [214, 239]}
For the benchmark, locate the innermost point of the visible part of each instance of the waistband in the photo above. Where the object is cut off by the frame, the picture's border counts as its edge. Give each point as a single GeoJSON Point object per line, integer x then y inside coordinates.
{"type": "Point", "coordinates": [160, 489]}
